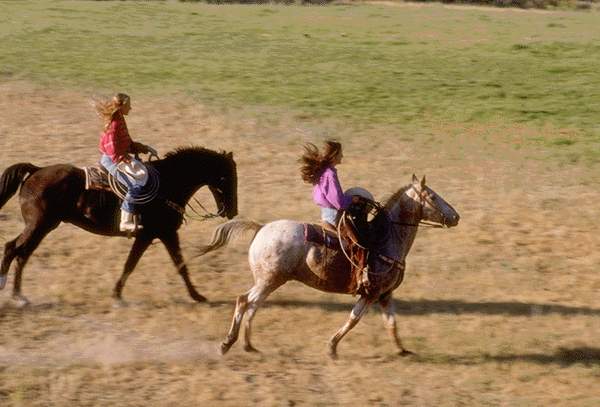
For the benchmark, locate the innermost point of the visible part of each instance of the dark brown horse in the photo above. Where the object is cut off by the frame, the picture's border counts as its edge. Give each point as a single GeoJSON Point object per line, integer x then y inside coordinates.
{"type": "Point", "coordinates": [55, 194]}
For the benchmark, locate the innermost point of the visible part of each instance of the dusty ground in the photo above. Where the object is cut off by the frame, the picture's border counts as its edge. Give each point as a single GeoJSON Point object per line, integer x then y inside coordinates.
{"type": "Point", "coordinates": [502, 310]}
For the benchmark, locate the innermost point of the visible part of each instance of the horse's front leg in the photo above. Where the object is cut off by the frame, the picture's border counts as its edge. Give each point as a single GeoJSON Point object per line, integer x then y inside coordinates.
{"type": "Point", "coordinates": [357, 312]}
{"type": "Point", "coordinates": [140, 245]}
{"type": "Point", "coordinates": [171, 242]}
{"type": "Point", "coordinates": [389, 320]}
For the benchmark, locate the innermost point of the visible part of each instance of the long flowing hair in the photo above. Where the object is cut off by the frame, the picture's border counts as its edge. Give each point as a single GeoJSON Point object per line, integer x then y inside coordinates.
{"type": "Point", "coordinates": [313, 162]}
{"type": "Point", "coordinates": [107, 108]}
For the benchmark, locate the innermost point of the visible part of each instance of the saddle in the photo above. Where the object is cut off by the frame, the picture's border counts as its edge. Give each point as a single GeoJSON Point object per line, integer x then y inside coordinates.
{"type": "Point", "coordinates": [321, 236]}
{"type": "Point", "coordinates": [96, 177]}
{"type": "Point", "coordinates": [356, 254]}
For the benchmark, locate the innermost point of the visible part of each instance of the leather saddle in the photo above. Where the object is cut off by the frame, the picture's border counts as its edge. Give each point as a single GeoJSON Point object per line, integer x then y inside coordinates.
{"type": "Point", "coordinates": [96, 177]}
{"type": "Point", "coordinates": [321, 236]}
{"type": "Point", "coordinates": [358, 255]}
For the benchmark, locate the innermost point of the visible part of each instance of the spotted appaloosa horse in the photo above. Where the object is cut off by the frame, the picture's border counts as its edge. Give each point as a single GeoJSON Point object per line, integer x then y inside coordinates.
{"type": "Point", "coordinates": [279, 253]}
{"type": "Point", "coordinates": [55, 194]}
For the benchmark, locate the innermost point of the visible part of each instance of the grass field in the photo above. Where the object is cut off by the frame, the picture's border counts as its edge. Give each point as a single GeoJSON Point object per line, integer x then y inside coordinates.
{"type": "Point", "coordinates": [368, 64]}
{"type": "Point", "coordinates": [497, 107]}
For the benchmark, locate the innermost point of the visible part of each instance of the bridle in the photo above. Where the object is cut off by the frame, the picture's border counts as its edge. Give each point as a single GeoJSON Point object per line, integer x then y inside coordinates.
{"type": "Point", "coordinates": [423, 199]}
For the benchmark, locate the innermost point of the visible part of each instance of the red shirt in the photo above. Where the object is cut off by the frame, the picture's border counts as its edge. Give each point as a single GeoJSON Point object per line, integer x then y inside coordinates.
{"type": "Point", "coordinates": [115, 141]}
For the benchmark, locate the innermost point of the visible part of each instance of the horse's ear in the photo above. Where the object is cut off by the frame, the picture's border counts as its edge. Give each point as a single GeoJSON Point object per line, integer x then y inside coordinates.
{"type": "Point", "coordinates": [230, 155]}
{"type": "Point", "coordinates": [415, 179]}
{"type": "Point", "coordinates": [423, 182]}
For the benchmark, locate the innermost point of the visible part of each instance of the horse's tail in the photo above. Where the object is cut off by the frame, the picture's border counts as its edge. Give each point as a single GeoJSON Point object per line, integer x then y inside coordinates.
{"type": "Point", "coordinates": [12, 178]}
{"type": "Point", "coordinates": [224, 233]}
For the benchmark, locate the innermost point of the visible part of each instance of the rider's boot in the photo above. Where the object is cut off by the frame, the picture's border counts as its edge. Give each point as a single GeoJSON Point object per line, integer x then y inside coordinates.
{"type": "Point", "coordinates": [128, 222]}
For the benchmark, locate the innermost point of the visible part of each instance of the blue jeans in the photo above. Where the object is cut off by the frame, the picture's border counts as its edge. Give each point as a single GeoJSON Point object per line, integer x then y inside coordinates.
{"type": "Point", "coordinates": [133, 189]}
{"type": "Point", "coordinates": [329, 215]}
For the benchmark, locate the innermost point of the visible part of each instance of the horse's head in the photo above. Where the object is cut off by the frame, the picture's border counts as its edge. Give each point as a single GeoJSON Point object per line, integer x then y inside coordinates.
{"type": "Point", "coordinates": [431, 206]}
{"type": "Point", "coordinates": [224, 187]}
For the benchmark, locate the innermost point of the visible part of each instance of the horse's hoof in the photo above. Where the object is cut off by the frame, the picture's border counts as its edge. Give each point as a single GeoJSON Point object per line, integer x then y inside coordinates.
{"type": "Point", "coordinates": [120, 303]}
{"type": "Point", "coordinates": [250, 348]}
{"type": "Point", "coordinates": [405, 353]}
{"type": "Point", "coordinates": [3, 279]}
{"type": "Point", "coordinates": [333, 352]}
{"type": "Point", "coordinates": [225, 347]}
{"type": "Point", "coordinates": [199, 298]}
{"type": "Point", "coordinates": [20, 301]}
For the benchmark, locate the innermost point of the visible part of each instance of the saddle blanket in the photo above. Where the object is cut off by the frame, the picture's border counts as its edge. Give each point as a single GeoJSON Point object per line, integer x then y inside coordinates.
{"type": "Point", "coordinates": [96, 178]}
{"type": "Point", "coordinates": [318, 235]}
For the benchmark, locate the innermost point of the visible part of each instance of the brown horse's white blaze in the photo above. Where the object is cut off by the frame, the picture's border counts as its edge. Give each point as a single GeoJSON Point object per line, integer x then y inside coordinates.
{"type": "Point", "coordinates": [279, 253]}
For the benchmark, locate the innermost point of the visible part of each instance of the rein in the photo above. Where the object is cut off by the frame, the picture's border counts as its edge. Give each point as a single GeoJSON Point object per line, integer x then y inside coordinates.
{"type": "Point", "coordinates": [339, 236]}
{"type": "Point", "coordinates": [198, 216]}
{"type": "Point", "coordinates": [421, 223]}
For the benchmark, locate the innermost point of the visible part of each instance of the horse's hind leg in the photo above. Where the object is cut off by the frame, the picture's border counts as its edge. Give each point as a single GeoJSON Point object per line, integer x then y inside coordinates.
{"type": "Point", "coordinates": [25, 245]}
{"type": "Point", "coordinates": [248, 302]}
{"type": "Point", "coordinates": [241, 304]}
{"type": "Point", "coordinates": [9, 255]}
{"type": "Point", "coordinates": [357, 312]}
{"type": "Point", "coordinates": [388, 313]}
{"type": "Point", "coordinates": [256, 297]}
{"type": "Point", "coordinates": [251, 312]}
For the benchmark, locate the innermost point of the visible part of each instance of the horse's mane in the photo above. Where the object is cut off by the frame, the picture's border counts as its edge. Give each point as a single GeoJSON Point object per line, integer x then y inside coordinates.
{"type": "Point", "coordinates": [396, 196]}
{"type": "Point", "coordinates": [380, 225]}
{"type": "Point", "coordinates": [192, 152]}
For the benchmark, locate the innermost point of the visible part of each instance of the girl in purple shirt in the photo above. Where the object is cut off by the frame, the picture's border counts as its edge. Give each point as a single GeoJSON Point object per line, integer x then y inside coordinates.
{"type": "Point", "coordinates": [319, 170]}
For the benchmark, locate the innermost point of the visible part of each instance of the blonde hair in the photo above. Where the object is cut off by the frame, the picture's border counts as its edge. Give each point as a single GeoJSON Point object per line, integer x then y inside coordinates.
{"type": "Point", "coordinates": [106, 109]}
{"type": "Point", "coordinates": [314, 162]}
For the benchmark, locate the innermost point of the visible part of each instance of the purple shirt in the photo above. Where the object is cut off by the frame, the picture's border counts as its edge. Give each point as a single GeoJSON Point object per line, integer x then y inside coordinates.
{"type": "Point", "coordinates": [328, 192]}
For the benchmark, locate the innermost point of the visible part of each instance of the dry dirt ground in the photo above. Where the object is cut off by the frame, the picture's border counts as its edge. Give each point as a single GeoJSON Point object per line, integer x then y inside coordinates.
{"type": "Point", "coordinates": [501, 310]}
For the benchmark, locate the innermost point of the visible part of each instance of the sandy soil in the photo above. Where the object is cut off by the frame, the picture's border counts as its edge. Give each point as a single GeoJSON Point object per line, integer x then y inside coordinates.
{"type": "Point", "coordinates": [502, 310]}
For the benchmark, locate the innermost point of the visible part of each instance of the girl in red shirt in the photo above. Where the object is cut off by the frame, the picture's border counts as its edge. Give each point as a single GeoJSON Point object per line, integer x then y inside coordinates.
{"type": "Point", "coordinates": [116, 146]}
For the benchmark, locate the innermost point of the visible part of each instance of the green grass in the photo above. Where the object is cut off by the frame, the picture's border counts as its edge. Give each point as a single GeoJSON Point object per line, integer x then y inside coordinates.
{"type": "Point", "coordinates": [364, 63]}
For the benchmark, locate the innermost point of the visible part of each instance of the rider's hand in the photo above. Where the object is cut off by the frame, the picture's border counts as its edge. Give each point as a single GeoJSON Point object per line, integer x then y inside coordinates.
{"type": "Point", "coordinates": [151, 151]}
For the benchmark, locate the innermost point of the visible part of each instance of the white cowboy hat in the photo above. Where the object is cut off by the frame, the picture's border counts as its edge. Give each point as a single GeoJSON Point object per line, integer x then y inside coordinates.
{"type": "Point", "coordinates": [360, 192]}
{"type": "Point", "coordinates": [135, 170]}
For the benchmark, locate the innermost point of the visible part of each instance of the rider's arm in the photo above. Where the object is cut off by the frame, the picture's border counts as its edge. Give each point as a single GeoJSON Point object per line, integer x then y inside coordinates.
{"type": "Point", "coordinates": [333, 190]}
{"type": "Point", "coordinates": [138, 148]}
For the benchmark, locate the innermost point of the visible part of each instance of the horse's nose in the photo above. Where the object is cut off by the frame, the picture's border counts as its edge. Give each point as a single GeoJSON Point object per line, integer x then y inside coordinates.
{"type": "Point", "coordinates": [452, 220]}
